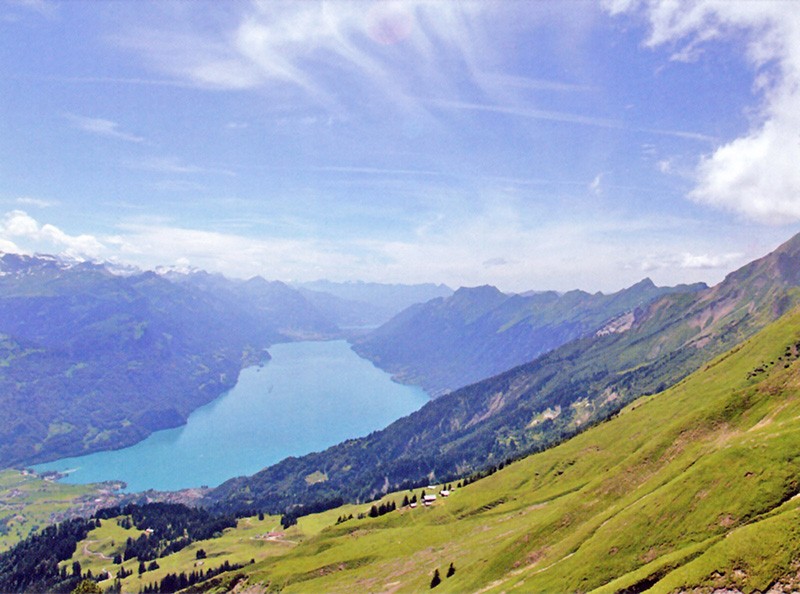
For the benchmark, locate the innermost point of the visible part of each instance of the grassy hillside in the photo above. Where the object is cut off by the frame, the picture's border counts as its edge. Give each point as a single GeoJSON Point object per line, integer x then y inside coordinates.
{"type": "Point", "coordinates": [693, 487]}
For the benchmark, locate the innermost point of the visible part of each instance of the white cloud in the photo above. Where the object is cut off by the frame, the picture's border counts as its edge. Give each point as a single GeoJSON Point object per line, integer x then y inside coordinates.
{"type": "Point", "coordinates": [152, 245]}
{"type": "Point", "coordinates": [497, 261]}
{"type": "Point", "coordinates": [690, 261]}
{"type": "Point", "coordinates": [102, 127]}
{"type": "Point", "coordinates": [9, 246]}
{"type": "Point", "coordinates": [707, 261]}
{"type": "Point", "coordinates": [17, 223]}
{"type": "Point", "coordinates": [665, 166]}
{"type": "Point", "coordinates": [29, 236]}
{"type": "Point", "coordinates": [756, 175]}
{"type": "Point", "coordinates": [599, 251]}
{"type": "Point", "coordinates": [178, 185]}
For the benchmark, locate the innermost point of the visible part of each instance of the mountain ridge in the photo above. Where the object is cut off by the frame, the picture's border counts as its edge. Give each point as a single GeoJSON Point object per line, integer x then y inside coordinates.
{"type": "Point", "coordinates": [478, 332]}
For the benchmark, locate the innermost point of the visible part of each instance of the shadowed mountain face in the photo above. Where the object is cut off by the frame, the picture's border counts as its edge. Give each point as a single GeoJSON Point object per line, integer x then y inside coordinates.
{"type": "Point", "coordinates": [90, 360]}
{"type": "Point", "coordinates": [479, 332]}
{"type": "Point", "coordinates": [542, 402]}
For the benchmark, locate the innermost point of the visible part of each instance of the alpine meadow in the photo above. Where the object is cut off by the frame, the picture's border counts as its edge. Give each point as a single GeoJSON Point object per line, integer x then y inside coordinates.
{"type": "Point", "coordinates": [399, 296]}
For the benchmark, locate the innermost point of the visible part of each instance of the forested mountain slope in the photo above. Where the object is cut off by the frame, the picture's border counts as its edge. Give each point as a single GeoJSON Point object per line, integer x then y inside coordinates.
{"type": "Point", "coordinates": [538, 404]}
{"type": "Point", "coordinates": [479, 332]}
{"type": "Point", "coordinates": [92, 360]}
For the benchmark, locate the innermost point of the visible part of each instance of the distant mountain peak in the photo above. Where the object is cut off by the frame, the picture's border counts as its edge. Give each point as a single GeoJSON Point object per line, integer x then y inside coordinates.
{"type": "Point", "coordinates": [482, 297]}
{"type": "Point", "coordinates": [479, 290]}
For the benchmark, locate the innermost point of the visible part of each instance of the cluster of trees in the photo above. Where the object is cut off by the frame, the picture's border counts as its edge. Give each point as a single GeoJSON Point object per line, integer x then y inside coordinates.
{"type": "Point", "coordinates": [383, 508]}
{"type": "Point", "coordinates": [437, 579]}
{"type": "Point", "coordinates": [289, 518]}
{"type": "Point", "coordinates": [170, 527]}
{"type": "Point", "coordinates": [32, 564]}
{"type": "Point", "coordinates": [343, 518]}
{"type": "Point", "coordinates": [174, 582]}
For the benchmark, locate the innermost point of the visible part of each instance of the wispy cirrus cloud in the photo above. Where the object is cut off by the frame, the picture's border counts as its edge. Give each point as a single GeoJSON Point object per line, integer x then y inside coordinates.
{"type": "Point", "coordinates": [532, 84]}
{"type": "Point", "coordinates": [43, 8]}
{"type": "Point", "coordinates": [37, 202]}
{"type": "Point", "coordinates": [564, 117]}
{"type": "Point", "coordinates": [530, 112]}
{"type": "Point", "coordinates": [757, 174]}
{"type": "Point", "coordinates": [327, 54]}
{"type": "Point", "coordinates": [102, 127]}
{"type": "Point", "coordinates": [173, 165]}
{"type": "Point", "coordinates": [377, 170]}
{"type": "Point", "coordinates": [110, 80]}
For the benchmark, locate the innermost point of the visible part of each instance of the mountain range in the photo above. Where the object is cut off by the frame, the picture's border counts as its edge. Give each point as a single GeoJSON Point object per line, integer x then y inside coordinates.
{"type": "Point", "coordinates": [475, 333]}
{"type": "Point", "coordinates": [694, 489]}
{"type": "Point", "coordinates": [358, 305]}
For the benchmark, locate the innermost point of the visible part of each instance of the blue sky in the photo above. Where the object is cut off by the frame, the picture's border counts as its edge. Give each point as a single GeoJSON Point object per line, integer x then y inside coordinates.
{"type": "Point", "coordinates": [529, 145]}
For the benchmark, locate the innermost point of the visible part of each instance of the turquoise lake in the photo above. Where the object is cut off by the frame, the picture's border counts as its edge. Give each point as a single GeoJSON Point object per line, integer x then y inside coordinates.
{"type": "Point", "coordinates": [309, 396]}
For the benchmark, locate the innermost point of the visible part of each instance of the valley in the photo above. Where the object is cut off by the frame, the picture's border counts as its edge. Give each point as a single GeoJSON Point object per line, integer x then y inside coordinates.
{"type": "Point", "coordinates": [704, 498]}
{"type": "Point", "coordinates": [391, 297]}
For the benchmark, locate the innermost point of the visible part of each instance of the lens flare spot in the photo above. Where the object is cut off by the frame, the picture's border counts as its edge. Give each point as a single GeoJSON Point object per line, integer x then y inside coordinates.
{"type": "Point", "coordinates": [389, 24]}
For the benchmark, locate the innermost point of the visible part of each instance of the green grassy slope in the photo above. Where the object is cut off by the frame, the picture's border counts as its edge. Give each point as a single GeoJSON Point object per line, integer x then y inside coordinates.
{"type": "Point", "coordinates": [693, 487]}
